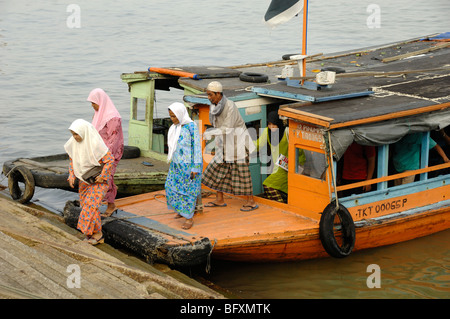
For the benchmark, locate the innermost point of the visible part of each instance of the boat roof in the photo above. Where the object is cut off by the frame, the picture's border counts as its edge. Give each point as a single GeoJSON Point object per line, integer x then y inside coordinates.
{"type": "Point", "coordinates": [407, 77]}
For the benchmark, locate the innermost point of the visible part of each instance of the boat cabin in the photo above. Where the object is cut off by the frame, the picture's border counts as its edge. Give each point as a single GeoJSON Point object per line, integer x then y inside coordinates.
{"type": "Point", "coordinates": [325, 140]}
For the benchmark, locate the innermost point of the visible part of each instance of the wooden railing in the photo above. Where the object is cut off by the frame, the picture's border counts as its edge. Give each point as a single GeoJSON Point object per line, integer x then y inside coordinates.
{"type": "Point", "coordinates": [393, 177]}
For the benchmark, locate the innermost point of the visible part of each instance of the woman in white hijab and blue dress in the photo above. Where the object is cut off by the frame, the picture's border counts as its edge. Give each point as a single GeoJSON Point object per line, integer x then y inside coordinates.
{"type": "Point", "coordinates": [183, 183]}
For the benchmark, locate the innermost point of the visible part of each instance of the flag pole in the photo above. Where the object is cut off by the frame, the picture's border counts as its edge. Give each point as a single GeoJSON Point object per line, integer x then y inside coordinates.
{"type": "Point", "coordinates": [305, 30]}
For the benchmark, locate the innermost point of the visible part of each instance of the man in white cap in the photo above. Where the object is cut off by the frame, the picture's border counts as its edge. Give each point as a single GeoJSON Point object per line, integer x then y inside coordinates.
{"type": "Point", "coordinates": [228, 171]}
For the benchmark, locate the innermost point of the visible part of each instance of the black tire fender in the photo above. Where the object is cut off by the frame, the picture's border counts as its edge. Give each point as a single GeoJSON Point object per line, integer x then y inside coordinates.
{"type": "Point", "coordinates": [288, 56]}
{"type": "Point", "coordinates": [326, 230]}
{"type": "Point", "coordinates": [131, 152]}
{"type": "Point", "coordinates": [253, 77]}
{"type": "Point", "coordinates": [336, 69]}
{"type": "Point", "coordinates": [24, 175]}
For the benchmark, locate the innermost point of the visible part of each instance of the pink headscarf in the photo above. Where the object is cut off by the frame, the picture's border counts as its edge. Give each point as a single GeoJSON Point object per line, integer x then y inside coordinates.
{"type": "Point", "coordinates": [106, 110]}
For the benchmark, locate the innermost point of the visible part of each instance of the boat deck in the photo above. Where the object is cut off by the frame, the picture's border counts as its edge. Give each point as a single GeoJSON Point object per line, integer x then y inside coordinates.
{"type": "Point", "coordinates": [223, 225]}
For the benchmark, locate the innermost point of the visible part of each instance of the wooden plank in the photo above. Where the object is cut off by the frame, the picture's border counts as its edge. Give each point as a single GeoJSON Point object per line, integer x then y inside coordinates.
{"type": "Point", "coordinates": [44, 166]}
{"type": "Point", "coordinates": [306, 116]}
{"type": "Point", "coordinates": [410, 54]}
{"type": "Point", "coordinates": [393, 177]}
{"type": "Point", "coordinates": [375, 73]}
{"type": "Point", "coordinates": [151, 224]}
{"type": "Point", "coordinates": [286, 92]}
{"type": "Point", "coordinates": [274, 63]}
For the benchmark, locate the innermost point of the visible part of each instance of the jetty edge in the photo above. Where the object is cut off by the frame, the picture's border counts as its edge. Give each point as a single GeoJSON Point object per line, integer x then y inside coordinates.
{"type": "Point", "coordinates": [37, 250]}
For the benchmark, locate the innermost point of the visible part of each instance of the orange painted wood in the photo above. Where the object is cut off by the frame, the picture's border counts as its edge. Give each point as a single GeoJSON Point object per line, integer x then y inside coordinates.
{"type": "Point", "coordinates": [276, 232]}
{"type": "Point", "coordinates": [309, 247]}
{"type": "Point", "coordinates": [305, 116]}
{"type": "Point", "coordinates": [174, 72]}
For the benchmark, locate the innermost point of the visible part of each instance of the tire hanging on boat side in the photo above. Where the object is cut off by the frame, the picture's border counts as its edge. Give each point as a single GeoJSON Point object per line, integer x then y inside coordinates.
{"type": "Point", "coordinates": [326, 230]}
{"type": "Point", "coordinates": [24, 175]}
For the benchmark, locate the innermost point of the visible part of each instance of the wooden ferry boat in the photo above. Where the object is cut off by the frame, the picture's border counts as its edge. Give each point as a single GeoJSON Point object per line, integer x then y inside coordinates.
{"type": "Point", "coordinates": [380, 94]}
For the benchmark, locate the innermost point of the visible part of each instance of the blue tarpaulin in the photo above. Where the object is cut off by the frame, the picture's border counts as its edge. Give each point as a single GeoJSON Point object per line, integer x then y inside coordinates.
{"type": "Point", "coordinates": [442, 36]}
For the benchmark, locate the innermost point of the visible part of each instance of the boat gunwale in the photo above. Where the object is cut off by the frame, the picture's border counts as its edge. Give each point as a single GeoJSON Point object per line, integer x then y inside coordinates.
{"type": "Point", "coordinates": [224, 248]}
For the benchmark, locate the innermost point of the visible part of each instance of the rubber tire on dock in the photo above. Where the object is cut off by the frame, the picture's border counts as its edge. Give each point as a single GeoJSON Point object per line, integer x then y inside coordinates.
{"type": "Point", "coordinates": [21, 174]}
{"type": "Point", "coordinates": [253, 77]}
{"type": "Point", "coordinates": [326, 231]}
{"type": "Point", "coordinates": [131, 152]}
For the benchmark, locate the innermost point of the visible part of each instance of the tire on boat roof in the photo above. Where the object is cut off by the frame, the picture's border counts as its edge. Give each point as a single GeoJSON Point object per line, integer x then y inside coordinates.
{"type": "Point", "coordinates": [23, 175]}
{"type": "Point", "coordinates": [253, 77]}
{"type": "Point", "coordinates": [326, 230]}
{"type": "Point", "coordinates": [288, 56]}
{"type": "Point", "coordinates": [336, 69]}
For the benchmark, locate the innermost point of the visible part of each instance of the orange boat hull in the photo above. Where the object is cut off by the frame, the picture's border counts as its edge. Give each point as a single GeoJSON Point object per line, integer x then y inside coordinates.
{"type": "Point", "coordinates": [308, 245]}
{"type": "Point", "coordinates": [272, 233]}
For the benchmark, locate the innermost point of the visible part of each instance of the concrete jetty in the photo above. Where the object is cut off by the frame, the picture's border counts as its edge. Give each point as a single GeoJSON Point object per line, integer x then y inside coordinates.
{"type": "Point", "coordinates": [40, 257]}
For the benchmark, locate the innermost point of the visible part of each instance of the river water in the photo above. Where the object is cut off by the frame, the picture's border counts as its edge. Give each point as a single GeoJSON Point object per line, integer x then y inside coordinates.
{"type": "Point", "coordinates": [52, 53]}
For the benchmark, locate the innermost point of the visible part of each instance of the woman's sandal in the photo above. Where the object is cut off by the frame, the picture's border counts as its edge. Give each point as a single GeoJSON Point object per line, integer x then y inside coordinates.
{"type": "Point", "coordinates": [94, 241]}
{"type": "Point", "coordinates": [109, 215]}
{"type": "Point", "coordinates": [188, 224]}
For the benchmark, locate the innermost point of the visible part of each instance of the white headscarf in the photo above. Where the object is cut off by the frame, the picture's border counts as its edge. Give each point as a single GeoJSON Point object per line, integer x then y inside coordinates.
{"type": "Point", "coordinates": [175, 130]}
{"type": "Point", "coordinates": [89, 151]}
{"type": "Point", "coordinates": [106, 109]}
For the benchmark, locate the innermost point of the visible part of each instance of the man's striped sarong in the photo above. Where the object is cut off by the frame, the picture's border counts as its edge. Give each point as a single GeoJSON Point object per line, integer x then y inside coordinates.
{"type": "Point", "coordinates": [233, 178]}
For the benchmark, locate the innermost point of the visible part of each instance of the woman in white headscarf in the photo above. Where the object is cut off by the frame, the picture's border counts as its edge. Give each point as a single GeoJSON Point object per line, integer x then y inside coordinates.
{"type": "Point", "coordinates": [183, 182]}
{"type": "Point", "coordinates": [108, 123]}
{"type": "Point", "coordinates": [86, 149]}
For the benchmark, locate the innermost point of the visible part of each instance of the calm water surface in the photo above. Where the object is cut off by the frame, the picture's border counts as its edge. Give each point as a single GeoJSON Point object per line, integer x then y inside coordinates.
{"type": "Point", "coordinates": [48, 69]}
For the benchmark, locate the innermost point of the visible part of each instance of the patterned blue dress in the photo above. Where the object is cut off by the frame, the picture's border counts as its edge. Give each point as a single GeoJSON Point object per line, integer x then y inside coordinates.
{"type": "Point", "coordinates": [181, 190]}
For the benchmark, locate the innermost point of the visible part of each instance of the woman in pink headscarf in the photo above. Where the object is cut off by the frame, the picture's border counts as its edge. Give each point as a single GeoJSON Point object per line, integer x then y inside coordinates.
{"type": "Point", "coordinates": [108, 123]}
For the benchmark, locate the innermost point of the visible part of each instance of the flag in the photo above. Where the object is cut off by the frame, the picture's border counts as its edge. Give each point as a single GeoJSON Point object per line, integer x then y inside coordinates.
{"type": "Point", "coordinates": [281, 11]}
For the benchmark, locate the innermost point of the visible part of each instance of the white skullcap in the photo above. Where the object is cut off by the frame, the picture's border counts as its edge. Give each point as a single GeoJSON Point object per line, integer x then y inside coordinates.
{"type": "Point", "coordinates": [214, 86]}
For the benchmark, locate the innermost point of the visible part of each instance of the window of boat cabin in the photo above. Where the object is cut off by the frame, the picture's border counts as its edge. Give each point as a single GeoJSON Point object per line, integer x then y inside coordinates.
{"type": "Point", "coordinates": [139, 109]}
{"type": "Point", "coordinates": [385, 166]}
{"type": "Point", "coordinates": [310, 163]}
{"type": "Point", "coordinates": [308, 174]}
{"type": "Point", "coordinates": [356, 166]}
{"type": "Point", "coordinates": [423, 146]}
{"type": "Point", "coordinates": [210, 144]}
{"type": "Point", "coordinates": [310, 160]}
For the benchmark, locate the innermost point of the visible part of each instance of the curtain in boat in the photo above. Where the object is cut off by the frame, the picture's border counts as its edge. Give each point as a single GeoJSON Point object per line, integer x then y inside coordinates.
{"type": "Point", "coordinates": [386, 132]}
